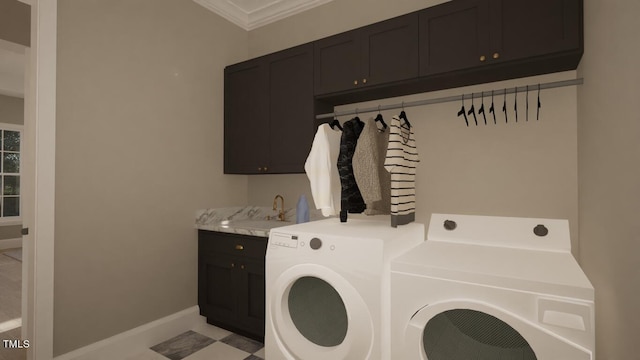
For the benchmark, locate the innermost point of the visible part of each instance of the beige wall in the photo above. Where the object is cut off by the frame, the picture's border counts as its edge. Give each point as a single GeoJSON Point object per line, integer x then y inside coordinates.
{"type": "Point", "coordinates": [11, 110]}
{"type": "Point", "coordinates": [609, 177]}
{"type": "Point", "coordinates": [139, 150]}
{"type": "Point", "coordinates": [15, 22]}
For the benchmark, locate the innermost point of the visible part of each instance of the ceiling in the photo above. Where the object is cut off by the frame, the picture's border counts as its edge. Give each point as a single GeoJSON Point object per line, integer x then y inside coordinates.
{"type": "Point", "coordinates": [12, 63]}
{"type": "Point", "coordinates": [251, 14]}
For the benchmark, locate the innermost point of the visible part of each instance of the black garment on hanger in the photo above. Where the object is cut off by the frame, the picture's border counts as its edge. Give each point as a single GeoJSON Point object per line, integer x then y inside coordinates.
{"type": "Point", "coordinates": [335, 123]}
{"type": "Point", "coordinates": [350, 196]}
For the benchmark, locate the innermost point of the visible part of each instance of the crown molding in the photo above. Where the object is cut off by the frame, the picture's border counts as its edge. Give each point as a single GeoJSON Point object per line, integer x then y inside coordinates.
{"type": "Point", "coordinates": [252, 18]}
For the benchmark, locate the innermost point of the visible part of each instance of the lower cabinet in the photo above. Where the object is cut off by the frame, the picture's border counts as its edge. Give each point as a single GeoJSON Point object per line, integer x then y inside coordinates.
{"type": "Point", "coordinates": [231, 283]}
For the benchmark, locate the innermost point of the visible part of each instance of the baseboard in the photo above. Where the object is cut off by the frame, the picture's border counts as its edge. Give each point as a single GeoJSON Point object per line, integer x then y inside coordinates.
{"type": "Point", "coordinates": [136, 340]}
{"type": "Point", "coordinates": [10, 243]}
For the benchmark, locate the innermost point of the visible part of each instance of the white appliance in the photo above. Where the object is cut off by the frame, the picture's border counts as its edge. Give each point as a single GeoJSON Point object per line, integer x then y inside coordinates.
{"type": "Point", "coordinates": [327, 288]}
{"type": "Point", "coordinates": [492, 288]}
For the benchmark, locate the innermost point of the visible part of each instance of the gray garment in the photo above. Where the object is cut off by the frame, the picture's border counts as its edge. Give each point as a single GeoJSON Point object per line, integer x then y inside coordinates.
{"type": "Point", "coordinates": [373, 180]}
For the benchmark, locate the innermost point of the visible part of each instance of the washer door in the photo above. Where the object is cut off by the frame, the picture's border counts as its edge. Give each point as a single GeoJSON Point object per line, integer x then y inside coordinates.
{"type": "Point", "coordinates": [317, 314]}
{"type": "Point", "coordinates": [461, 329]}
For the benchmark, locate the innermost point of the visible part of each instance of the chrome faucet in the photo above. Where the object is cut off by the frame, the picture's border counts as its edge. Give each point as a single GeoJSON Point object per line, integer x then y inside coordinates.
{"type": "Point", "coordinates": [275, 207]}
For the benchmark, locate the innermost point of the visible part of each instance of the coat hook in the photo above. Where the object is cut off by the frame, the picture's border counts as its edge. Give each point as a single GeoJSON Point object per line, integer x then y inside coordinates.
{"type": "Point", "coordinates": [492, 109]}
{"type": "Point", "coordinates": [473, 110]}
{"type": "Point", "coordinates": [504, 107]}
{"type": "Point", "coordinates": [481, 111]}
{"type": "Point", "coordinates": [463, 112]}
{"type": "Point", "coordinates": [539, 105]}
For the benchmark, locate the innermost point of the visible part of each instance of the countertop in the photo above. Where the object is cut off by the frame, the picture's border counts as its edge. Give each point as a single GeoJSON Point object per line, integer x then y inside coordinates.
{"type": "Point", "coordinates": [246, 220]}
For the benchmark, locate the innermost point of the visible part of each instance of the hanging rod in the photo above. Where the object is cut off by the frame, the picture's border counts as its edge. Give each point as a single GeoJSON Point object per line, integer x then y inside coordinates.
{"type": "Point", "coordinates": [534, 87]}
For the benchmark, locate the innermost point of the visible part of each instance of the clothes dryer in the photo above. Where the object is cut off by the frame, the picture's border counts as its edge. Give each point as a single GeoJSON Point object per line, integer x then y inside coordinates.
{"type": "Point", "coordinates": [327, 288]}
{"type": "Point", "coordinates": [492, 288]}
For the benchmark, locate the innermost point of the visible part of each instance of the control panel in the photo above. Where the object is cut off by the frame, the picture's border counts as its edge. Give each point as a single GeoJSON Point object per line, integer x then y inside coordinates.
{"type": "Point", "coordinates": [284, 240]}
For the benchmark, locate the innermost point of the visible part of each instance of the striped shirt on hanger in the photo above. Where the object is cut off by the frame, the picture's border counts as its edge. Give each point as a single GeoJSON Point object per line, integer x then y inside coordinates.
{"type": "Point", "coordinates": [401, 162]}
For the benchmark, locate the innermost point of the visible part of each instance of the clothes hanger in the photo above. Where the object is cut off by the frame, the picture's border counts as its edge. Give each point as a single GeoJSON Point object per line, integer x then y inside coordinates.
{"type": "Point", "coordinates": [504, 107]}
{"type": "Point", "coordinates": [481, 111]}
{"type": "Point", "coordinates": [403, 116]}
{"type": "Point", "coordinates": [515, 104]}
{"type": "Point", "coordinates": [380, 119]}
{"type": "Point", "coordinates": [492, 109]}
{"type": "Point", "coordinates": [463, 112]}
{"type": "Point", "coordinates": [527, 117]}
{"type": "Point", "coordinates": [539, 105]}
{"type": "Point", "coordinates": [335, 123]}
{"type": "Point", "coordinates": [473, 110]}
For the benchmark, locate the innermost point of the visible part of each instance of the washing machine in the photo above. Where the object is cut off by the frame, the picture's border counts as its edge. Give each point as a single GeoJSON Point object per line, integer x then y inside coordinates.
{"type": "Point", "coordinates": [327, 288]}
{"type": "Point", "coordinates": [492, 288]}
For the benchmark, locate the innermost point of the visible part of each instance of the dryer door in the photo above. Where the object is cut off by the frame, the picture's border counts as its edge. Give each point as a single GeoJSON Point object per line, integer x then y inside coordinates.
{"type": "Point", "coordinates": [317, 314]}
{"type": "Point", "coordinates": [461, 329]}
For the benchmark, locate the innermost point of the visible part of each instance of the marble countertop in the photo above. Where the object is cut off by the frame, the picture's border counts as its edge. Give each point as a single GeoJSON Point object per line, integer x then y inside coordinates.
{"type": "Point", "coordinates": [246, 220]}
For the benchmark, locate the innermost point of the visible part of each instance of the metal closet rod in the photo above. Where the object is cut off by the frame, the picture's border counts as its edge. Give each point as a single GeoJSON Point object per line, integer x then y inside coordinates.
{"type": "Point", "coordinates": [533, 87]}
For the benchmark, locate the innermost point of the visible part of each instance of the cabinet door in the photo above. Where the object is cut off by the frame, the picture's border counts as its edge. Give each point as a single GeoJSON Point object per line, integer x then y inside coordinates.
{"type": "Point", "coordinates": [454, 36]}
{"type": "Point", "coordinates": [251, 296]}
{"type": "Point", "coordinates": [337, 63]}
{"type": "Point", "coordinates": [246, 117]}
{"type": "Point", "coordinates": [290, 109]}
{"type": "Point", "coordinates": [218, 281]}
{"type": "Point", "coordinates": [390, 50]}
{"type": "Point", "coordinates": [526, 28]}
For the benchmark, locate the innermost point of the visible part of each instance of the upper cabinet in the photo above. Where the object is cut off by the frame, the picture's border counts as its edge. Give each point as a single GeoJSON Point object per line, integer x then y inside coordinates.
{"type": "Point", "coordinates": [269, 113]}
{"type": "Point", "coordinates": [373, 55]}
{"type": "Point", "coordinates": [466, 34]}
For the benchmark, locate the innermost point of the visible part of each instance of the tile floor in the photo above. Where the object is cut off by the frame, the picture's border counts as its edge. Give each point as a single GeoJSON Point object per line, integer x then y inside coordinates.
{"type": "Point", "coordinates": [206, 342]}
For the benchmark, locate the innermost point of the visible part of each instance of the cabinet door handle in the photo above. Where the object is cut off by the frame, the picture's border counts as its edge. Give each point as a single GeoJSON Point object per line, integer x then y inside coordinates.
{"type": "Point", "coordinates": [265, 168]}
{"type": "Point", "coordinates": [355, 82]}
{"type": "Point", "coordinates": [242, 267]}
{"type": "Point", "coordinates": [233, 265]}
{"type": "Point", "coordinates": [239, 247]}
{"type": "Point", "coordinates": [259, 169]}
{"type": "Point", "coordinates": [482, 58]}
{"type": "Point", "coordinates": [496, 55]}
{"type": "Point", "coordinates": [364, 81]}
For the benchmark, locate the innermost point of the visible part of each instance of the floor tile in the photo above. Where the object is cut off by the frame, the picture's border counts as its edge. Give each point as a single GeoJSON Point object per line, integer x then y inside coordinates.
{"type": "Point", "coordinates": [243, 343]}
{"type": "Point", "coordinates": [183, 345]}
{"type": "Point", "coordinates": [148, 354]}
{"type": "Point", "coordinates": [212, 331]}
{"type": "Point", "coordinates": [259, 353]}
{"type": "Point", "coordinates": [218, 351]}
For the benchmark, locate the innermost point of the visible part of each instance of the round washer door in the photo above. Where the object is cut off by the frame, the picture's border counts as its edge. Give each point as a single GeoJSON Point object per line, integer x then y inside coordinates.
{"type": "Point", "coordinates": [462, 329]}
{"type": "Point", "coordinates": [318, 314]}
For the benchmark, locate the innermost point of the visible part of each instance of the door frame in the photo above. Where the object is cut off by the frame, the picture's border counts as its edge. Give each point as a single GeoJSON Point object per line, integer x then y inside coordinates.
{"type": "Point", "coordinates": [39, 180]}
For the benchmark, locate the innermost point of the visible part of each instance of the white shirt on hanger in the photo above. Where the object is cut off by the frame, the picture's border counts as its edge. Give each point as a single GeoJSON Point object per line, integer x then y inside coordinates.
{"type": "Point", "coordinates": [322, 170]}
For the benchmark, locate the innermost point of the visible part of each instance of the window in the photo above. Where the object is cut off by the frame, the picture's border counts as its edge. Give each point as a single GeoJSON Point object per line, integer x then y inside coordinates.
{"type": "Point", "coordinates": [10, 145]}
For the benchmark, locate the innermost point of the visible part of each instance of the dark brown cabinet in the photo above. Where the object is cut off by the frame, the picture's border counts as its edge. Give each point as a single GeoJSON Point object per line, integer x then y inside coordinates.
{"type": "Point", "coordinates": [269, 113]}
{"type": "Point", "coordinates": [373, 55]}
{"type": "Point", "coordinates": [467, 34]}
{"type": "Point", "coordinates": [231, 283]}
